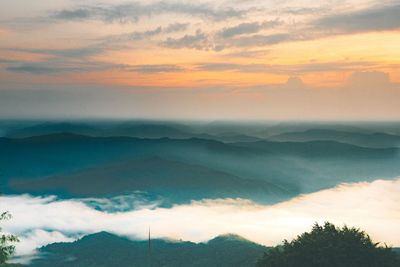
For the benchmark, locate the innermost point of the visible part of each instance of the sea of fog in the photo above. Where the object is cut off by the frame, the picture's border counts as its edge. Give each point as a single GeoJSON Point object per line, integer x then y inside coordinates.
{"type": "Point", "coordinates": [372, 206]}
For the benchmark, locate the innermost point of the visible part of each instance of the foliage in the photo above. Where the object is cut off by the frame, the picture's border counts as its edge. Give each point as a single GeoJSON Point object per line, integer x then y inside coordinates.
{"type": "Point", "coordinates": [6, 247]}
{"type": "Point", "coordinates": [330, 246]}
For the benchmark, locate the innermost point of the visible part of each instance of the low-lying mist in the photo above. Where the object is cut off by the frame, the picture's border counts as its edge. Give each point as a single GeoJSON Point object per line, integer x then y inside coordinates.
{"type": "Point", "coordinates": [42, 220]}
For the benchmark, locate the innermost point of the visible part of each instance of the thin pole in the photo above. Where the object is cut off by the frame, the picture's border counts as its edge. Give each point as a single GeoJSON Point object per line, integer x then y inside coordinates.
{"type": "Point", "coordinates": [149, 249]}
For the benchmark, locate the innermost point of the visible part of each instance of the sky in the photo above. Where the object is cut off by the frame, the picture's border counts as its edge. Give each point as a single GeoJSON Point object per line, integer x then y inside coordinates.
{"type": "Point", "coordinates": [365, 205]}
{"type": "Point", "coordinates": [177, 59]}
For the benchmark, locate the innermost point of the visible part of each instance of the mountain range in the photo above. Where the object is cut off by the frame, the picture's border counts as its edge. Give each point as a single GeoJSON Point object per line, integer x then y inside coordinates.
{"type": "Point", "coordinates": [71, 165]}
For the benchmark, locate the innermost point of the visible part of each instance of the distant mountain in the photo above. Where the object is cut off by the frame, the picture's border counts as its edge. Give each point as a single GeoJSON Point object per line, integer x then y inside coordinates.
{"type": "Point", "coordinates": [149, 130]}
{"type": "Point", "coordinates": [281, 169]}
{"type": "Point", "coordinates": [320, 149]}
{"type": "Point", "coordinates": [108, 250]}
{"type": "Point", "coordinates": [172, 180]}
{"type": "Point", "coordinates": [378, 140]}
{"type": "Point", "coordinates": [51, 128]}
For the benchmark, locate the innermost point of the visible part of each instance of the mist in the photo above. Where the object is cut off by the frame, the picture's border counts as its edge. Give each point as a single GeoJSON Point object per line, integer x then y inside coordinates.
{"type": "Point", "coordinates": [372, 206]}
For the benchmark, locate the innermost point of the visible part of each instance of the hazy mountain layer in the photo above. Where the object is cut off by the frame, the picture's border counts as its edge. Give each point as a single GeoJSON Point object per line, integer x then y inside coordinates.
{"type": "Point", "coordinates": [185, 168]}
{"type": "Point", "coordinates": [172, 180]}
{"type": "Point", "coordinates": [361, 139]}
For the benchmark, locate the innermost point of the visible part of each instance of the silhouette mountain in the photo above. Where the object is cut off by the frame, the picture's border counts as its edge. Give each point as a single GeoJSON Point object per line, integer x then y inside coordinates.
{"type": "Point", "coordinates": [107, 250]}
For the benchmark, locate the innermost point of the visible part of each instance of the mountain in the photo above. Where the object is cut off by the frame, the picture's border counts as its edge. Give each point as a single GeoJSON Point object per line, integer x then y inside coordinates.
{"type": "Point", "coordinates": [149, 130]}
{"type": "Point", "coordinates": [319, 149]}
{"type": "Point", "coordinates": [377, 140]}
{"type": "Point", "coordinates": [280, 169]}
{"type": "Point", "coordinates": [51, 128]}
{"type": "Point", "coordinates": [172, 180]}
{"type": "Point", "coordinates": [107, 250]}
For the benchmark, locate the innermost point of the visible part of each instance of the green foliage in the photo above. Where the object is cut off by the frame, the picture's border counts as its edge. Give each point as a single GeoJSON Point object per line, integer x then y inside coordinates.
{"type": "Point", "coordinates": [6, 247]}
{"type": "Point", "coordinates": [330, 246]}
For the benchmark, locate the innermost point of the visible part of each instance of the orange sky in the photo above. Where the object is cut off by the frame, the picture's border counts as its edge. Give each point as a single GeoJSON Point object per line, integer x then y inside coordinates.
{"type": "Point", "coordinates": [242, 47]}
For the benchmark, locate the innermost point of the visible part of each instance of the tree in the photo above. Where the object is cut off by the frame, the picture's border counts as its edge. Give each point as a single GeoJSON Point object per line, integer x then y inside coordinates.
{"type": "Point", "coordinates": [330, 246]}
{"type": "Point", "coordinates": [6, 241]}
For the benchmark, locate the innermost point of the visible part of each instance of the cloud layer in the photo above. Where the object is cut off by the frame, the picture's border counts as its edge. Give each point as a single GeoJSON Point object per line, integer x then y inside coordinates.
{"type": "Point", "coordinates": [370, 206]}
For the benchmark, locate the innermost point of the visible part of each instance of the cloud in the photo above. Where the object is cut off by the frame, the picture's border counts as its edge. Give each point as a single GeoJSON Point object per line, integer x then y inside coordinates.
{"type": "Point", "coordinates": [37, 68]}
{"type": "Point", "coordinates": [65, 60]}
{"type": "Point", "coordinates": [295, 83]}
{"type": "Point", "coordinates": [198, 41]}
{"type": "Point", "coordinates": [174, 27]}
{"type": "Point", "coordinates": [368, 79]}
{"type": "Point", "coordinates": [68, 52]}
{"type": "Point", "coordinates": [247, 28]}
{"type": "Point", "coordinates": [205, 41]}
{"type": "Point", "coordinates": [248, 54]}
{"type": "Point", "coordinates": [57, 66]}
{"type": "Point", "coordinates": [262, 39]}
{"type": "Point", "coordinates": [259, 100]}
{"type": "Point", "coordinates": [127, 202]}
{"type": "Point", "coordinates": [371, 206]}
{"type": "Point", "coordinates": [63, 63]}
{"type": "Point", "coordinates": [33, 239]}
{"type": "Point", "coordinates": [299, 11]}
{"type": "Point", "coordinates": [155, 68]}
{"type": "Point", "coordinates": [376, 18]}
{"type": "Point", "coordinates": [287, 69]}
{"type": "Point", "coordinates": [146, 34]}
{"type": "Point", "coordinates": [73, 14]}
{"type": "Point", "coordinates": [133, 11]}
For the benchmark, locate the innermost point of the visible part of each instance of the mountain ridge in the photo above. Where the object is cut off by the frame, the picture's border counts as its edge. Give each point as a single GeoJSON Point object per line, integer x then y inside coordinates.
{"type": "Point", "coordinates": [104, 249]}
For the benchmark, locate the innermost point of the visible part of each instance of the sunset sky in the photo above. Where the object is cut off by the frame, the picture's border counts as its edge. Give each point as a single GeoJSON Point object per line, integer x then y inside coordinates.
{"type": "Point", "coordinates": [324, 60]}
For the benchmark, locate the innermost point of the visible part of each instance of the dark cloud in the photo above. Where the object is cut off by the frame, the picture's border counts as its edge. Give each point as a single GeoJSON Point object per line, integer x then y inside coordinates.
{"type": "Point", "coordinates": [73, 14]}
{"type": "Point", "coordinates": [243, 28]}
{"type": "Point", "coordinates": [262, 39]}
{"type": "Point", "coordinates": [3, 60]}
{"type": "Point", "coordinates": [204, 41]}
{"type": "Point", "coordinates": [377, 18]}
{"type": "Point", "coordinates": [33, 68]}
{"type": "Point", "coordinates": [133, 11]}
{"type": "Point", "coordinates": [58, 66]}
{"type": "Point", "coordinates": [174, 27]}
{"type": "Point", "coordinates": [69, 52]}
{"type": "Point", "coordinates": [146, 34]}
{"type": "Point", "coordinates": [155, 68]}
{"type": "Point", "coordinates": [199, 41]}
{"type": "Point", "coordinates": [247, 28]}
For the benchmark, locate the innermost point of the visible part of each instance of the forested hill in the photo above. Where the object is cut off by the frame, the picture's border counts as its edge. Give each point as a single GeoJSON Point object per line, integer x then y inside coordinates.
{"type": "Point", "coordinates": [107, 250]}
